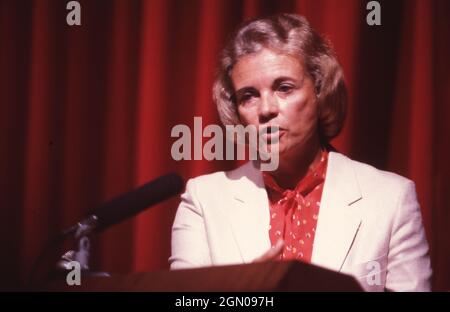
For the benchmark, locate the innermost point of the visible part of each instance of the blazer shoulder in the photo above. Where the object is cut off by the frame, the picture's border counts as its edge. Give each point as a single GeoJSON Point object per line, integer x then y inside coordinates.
{"type": "Point", "coordinates": [374, 179]}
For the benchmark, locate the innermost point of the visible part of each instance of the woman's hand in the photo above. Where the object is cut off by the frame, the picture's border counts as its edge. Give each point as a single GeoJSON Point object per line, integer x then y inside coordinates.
{"type": "Point", "coordinates": [272, 253]}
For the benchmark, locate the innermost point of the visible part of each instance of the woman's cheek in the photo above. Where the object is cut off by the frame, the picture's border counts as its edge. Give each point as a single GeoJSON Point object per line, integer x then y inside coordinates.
{"type": "Point", "coordinates": [247, 115]}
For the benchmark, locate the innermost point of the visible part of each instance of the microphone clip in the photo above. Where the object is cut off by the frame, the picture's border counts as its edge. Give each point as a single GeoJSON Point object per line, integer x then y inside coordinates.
{"type": "Point", "coordinates": [81, 256]}
{"type": "Point", "coordinates": [83, 228]}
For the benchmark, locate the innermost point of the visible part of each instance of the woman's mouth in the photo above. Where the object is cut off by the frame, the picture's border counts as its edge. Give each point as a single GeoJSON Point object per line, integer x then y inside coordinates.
{"type": "Point", "coordinates": [271, 135]}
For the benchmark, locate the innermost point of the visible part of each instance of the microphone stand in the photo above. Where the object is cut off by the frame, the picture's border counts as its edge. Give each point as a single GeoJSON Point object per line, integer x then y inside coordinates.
{"type": "Point", "coordinates": [82, 254]}
{"type": "Point", "coordinates": [116, 210]}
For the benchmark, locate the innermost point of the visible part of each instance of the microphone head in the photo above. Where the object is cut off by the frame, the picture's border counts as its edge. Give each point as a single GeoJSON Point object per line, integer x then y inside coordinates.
{"type": "Point", "coordinates": [127, 205]}
{"type": "Point", "coordinates": [137, 200]}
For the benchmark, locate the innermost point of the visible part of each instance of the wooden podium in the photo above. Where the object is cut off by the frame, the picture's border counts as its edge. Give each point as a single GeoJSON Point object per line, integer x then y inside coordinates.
{"type": "Point", "coordinates": [265, 276]}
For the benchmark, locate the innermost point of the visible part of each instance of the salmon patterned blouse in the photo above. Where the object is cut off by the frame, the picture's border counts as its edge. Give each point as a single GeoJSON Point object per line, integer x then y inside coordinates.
{"type": "Point", "coordinates": [294, 213]}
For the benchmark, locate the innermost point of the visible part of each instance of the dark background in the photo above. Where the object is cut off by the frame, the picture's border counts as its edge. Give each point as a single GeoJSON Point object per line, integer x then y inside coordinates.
{"type": "Point", "coordinates": [86, 111]}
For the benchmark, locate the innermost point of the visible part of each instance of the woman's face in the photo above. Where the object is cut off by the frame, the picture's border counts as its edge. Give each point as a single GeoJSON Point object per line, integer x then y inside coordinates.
{"type": "Point", "coordinates": [274, 89]}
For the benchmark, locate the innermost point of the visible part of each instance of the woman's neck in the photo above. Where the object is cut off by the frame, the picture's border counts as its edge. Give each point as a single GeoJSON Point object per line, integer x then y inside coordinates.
{"type": "Point", "coordinates": [292, 169]}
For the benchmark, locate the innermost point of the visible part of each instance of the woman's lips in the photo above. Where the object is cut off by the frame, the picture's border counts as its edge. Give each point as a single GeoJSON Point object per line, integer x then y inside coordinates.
{"type": "Point", "coordinates": [272, 136]}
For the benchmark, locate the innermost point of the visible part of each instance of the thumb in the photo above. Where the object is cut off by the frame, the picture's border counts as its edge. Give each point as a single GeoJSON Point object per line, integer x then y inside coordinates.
{"type": "Point", "coordinates": [273, 252]}
{"type": "Point", "coordinates": [277, 248]}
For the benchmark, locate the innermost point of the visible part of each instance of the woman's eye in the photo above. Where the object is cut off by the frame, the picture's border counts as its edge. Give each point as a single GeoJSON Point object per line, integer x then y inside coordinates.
{"type": "Point", "coordinates": [285, 88]}
{"type": "Point", "coordinates": [245, 97]}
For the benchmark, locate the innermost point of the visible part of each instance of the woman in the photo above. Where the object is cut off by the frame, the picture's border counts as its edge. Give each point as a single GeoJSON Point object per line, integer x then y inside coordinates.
{"type": "Point", "coordinates": [318, 206]}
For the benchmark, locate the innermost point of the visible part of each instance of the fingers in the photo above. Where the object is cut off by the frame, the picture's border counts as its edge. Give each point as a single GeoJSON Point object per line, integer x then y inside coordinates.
{"type": "Point", "coordinates": [272, 253]}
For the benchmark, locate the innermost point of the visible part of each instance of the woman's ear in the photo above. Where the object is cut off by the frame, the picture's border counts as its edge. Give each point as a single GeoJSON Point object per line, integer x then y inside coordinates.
{"type": "Point", "coordinates": [317, 87]}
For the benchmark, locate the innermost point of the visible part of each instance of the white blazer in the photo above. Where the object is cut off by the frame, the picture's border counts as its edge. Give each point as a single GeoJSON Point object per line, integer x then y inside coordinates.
{"type": "Point", "coordinates": [369, 224]}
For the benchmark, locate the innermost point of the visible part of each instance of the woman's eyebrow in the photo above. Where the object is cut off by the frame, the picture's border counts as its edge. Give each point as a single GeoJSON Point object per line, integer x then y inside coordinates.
{"type": "Point", "coordinates": [245, 89]}
{"type": "Point", "coordinates": [284, 78]}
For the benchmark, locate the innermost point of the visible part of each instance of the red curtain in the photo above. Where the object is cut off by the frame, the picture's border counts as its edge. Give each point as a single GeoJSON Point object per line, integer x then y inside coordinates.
{"type": "Point", "coordinates": [87, 111]}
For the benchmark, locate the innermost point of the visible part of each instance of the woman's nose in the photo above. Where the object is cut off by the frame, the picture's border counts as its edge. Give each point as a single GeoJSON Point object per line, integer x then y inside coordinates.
{"type": "Point", "coordinates": [268, 108]}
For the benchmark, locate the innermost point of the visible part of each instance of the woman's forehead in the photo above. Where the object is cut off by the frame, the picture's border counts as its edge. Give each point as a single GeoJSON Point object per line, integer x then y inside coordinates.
{"type": "Point", "coordinates": [265, 65]}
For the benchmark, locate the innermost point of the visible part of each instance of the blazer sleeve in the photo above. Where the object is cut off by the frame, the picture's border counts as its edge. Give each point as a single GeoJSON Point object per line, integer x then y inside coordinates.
{"type": "Point", "coordinates": [408, 267]}
{"type": "Point", "coordinates": [189, 240]}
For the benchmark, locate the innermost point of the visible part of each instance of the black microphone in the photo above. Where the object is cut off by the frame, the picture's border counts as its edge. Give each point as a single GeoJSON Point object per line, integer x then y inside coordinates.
{"type": "Point", "coordinates": [128, 205]}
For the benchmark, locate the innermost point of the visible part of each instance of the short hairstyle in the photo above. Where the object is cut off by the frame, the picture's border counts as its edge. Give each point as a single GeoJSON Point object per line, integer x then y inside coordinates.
{"type": "Point", "coordinates": [290, 34]}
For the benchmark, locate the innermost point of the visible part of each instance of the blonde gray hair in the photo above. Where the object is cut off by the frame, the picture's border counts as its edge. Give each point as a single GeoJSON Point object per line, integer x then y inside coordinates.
{"type": "Point", "coordinates": [290, 34]}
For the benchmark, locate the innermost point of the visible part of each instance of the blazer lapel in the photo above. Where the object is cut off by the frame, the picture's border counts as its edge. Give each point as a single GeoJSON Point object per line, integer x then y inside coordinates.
{"type": "Point", "coordinates": [338, 221]}
{"type": "Point", "coordinates": [249, 212]}
{"type": "Point", "coordinates": [339, 216]}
